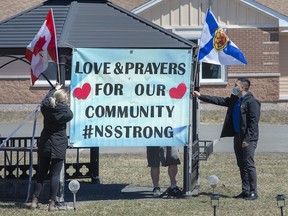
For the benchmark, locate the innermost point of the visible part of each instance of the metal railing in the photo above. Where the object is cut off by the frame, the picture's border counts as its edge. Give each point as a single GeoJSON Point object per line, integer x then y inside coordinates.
{"type": "Point", "coordinates": [15, 160]}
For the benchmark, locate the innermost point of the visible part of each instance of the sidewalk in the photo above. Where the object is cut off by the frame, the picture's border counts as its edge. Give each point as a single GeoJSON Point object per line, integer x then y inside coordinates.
{"type": "Point", "coordinates": [273, 138]}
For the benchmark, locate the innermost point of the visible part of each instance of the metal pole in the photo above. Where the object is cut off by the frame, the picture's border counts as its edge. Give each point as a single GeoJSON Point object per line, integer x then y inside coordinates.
{"type": "Point", "coordinates": [47, 79]}
{"type": "Point", "coordinates": [187, 184]}
{"type": "Point", "coordinates": [196, 121]}
{"type": "Point", "coordinates": [214, 210]}
{"type": "Point", "coordinates": [62, 77]}
{"type": "Point", "coordinates": [74, 201]}
{"type": "Point", "coordinates": [94, 162]}
{"type": "Point", "coordinates": [210, 4]}
{"type": "Point", "coordinates": [187, 167]}
{"type": "Point", "coordinates": [193, 136]}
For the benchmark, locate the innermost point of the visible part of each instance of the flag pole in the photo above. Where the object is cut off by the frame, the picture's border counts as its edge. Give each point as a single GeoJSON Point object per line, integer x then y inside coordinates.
{"type": "Point", "coordinates": [195, 59]}
{"type": "Point", "coordinates": [58, 69]}
{"type": "Point", "coordinates": [56, 48]}
{"type": "Point", "coordinates": [210, 4]}
{"type": "Point", "coordinates": [47, 80]}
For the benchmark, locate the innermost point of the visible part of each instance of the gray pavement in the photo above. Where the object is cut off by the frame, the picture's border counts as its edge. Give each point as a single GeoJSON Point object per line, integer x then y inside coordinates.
{"type": "Point", "coordinates": [273, 138]}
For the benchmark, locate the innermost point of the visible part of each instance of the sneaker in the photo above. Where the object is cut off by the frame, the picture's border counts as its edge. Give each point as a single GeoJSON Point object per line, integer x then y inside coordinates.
{"type": "Point", "coordinates": [156, 192]}
{"type": "Point", "coordinates": [52, 206]}
{"type": "Point", "coordinates": [174, 192]}
{"type": "Point", "coordinates": [34, 203]}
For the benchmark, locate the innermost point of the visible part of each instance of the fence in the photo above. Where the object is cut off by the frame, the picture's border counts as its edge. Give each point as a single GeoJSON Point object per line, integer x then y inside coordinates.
{"type": "Point", "coordinates": [16, 157]}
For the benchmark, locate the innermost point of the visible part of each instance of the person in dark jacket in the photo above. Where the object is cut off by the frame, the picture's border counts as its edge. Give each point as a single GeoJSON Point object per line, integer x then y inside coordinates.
{"type": "Point", "coordinates": [53, 143]}
{"type": "Point", "coordinates": [241, 122]}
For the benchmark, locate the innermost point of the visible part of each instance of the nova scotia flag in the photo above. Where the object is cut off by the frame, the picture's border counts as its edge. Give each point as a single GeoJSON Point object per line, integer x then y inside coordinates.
{"type": "Point", "coordinates": [216, 47]}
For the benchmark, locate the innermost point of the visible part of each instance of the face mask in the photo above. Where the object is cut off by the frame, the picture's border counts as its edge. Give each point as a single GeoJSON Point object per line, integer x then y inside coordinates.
{"type": "Point", "coordinates": [235, 90]}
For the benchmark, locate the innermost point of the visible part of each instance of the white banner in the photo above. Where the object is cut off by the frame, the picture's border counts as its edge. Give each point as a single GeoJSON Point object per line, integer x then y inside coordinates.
{"type": "Point", "coordinates": [124, 97]}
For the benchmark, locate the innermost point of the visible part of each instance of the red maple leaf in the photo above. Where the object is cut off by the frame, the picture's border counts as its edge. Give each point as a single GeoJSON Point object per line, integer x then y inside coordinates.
{"type": "Point", "coordinates": [39, 45]}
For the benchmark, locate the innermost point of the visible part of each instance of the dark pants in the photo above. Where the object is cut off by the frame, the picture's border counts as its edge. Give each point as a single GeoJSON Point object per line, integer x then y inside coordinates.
{"type": "Point", "coordinates": [55, 166]}
{"type": "Point", "coordinates": [246, 164]}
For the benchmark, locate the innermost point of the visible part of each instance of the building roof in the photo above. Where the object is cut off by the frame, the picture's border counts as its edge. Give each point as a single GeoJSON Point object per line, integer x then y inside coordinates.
{"type": "Point", "coordinates": [93, 24]}
{"type": "Point", "coordinates": [280, 6]}
{"type": "Point", "coordinates": [13, 7]}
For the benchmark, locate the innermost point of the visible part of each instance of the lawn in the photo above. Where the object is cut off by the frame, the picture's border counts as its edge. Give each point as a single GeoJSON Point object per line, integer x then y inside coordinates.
{"type": "Point", "coordinates": [132, 170]}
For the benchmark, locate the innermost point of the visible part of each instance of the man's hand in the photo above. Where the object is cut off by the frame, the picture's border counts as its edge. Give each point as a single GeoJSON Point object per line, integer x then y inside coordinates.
{"type": "Point", "coordinates": [196, 94]}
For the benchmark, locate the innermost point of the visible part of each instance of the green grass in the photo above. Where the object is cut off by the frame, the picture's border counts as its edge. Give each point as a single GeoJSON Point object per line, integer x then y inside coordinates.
{"type": "Point", "coordinates": [132, 169]}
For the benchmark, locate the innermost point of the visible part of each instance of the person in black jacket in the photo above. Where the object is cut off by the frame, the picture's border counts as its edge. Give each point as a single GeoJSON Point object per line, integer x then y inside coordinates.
{"type": "Point", "coordinates": [241, 122]}
{"type": "Point", "coordinates": [53, 143]}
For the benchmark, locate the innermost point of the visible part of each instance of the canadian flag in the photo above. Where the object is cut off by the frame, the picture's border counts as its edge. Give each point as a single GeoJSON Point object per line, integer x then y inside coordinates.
{"type": "Point", "coordinates": [44, 45]}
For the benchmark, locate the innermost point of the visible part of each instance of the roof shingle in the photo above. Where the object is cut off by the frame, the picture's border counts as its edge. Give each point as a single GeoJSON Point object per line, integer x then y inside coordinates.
{"type": "Point", "coordinates": [280, 6]}
{"type": "Point", "coordinates": [94, 24]}
{"type": "Point", "coordinates": [13, 7]}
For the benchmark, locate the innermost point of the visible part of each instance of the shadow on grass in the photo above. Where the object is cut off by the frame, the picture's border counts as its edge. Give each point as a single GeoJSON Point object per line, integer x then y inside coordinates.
{"type": "Point", "coordinates": [89, 192]}
{"type": "Point", "coordinates": [101, 192]}
{"type": "Point", "coordinates": [16, 205]}
{"type": "Point", "coordinates": [97, 192]}
{"type": "Point", "coordinates": [209, 195]}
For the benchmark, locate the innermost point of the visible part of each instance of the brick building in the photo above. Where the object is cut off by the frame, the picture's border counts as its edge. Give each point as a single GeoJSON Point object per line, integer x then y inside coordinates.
{"type": "Point", "coordinates": [259, 28]}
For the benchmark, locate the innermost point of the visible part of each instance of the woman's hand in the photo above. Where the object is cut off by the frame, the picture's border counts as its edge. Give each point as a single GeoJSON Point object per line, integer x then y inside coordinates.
{"type": "Point", "coordinates": [58, 86]}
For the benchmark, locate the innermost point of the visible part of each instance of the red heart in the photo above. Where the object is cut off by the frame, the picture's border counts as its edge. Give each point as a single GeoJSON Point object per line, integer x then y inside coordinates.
{"type": "Point", "coordinates": [178, 92]}
{"type": "Point", "coordinates": [82, 93]}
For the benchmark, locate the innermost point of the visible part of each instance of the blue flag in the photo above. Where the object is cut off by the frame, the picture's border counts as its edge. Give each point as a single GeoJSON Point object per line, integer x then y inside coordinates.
{"type": "Point", "coordinates": [216, 47]}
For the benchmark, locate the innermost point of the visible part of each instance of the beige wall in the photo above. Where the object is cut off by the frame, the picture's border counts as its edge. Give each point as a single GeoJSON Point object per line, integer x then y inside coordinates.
{"type": "Point", "coordinates": [283, 68]}
{"type": "Point", "coordinates": [18, 91]}
{"type": "Point", "coordinates": [191, 13]}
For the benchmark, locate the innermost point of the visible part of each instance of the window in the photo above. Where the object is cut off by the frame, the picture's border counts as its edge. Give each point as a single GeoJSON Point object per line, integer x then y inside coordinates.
{"type": "Point", "coordinates": [51, 74]}
{"type": "Point", "coordinates": [211, 73]}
